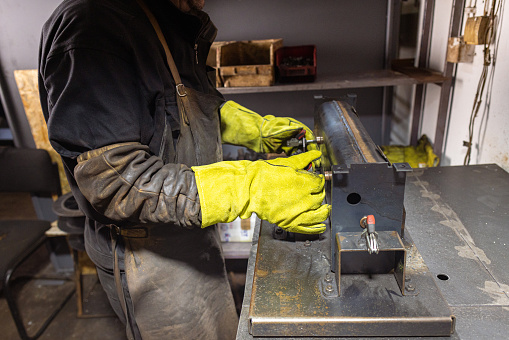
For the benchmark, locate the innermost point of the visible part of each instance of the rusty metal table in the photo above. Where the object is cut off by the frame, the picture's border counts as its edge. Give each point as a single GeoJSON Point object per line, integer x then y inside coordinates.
{"type": "Point", "coordinates": [458, 218]}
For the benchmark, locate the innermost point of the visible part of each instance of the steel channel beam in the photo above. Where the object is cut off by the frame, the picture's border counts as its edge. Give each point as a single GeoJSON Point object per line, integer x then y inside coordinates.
{"type": "Point", "coordinates": [429, 6]}
{"type": "Point", "coordinates": [445, 93]}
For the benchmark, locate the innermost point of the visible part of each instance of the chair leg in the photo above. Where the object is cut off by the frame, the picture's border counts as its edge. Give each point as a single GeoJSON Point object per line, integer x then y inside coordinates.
{"type": "Point", "coordinates": [13, 306]}
{"type": "Point", "coordinates": [79, 277]}
{"type": "Point", "coordinates": [79, 282]}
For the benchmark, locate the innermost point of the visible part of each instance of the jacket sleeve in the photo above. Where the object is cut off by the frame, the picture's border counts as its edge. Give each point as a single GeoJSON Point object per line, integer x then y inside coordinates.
{"type": "Point", "coordinates": [125, 183]}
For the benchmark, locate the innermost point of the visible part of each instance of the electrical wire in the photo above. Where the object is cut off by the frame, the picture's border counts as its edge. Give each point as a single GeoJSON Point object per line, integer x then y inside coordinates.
{"type": "Point", "coordinates": [478, 99]}
{"type": "Point", "coordinates": [483, 125]}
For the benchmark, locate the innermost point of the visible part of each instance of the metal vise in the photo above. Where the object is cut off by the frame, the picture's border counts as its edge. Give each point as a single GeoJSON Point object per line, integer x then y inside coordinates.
{"type": "Point", "coordinates": [362, 186]}
{"type": "Point", "coordinates": [350, 280]}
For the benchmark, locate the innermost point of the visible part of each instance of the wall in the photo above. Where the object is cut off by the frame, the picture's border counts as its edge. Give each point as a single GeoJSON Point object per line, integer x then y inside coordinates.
{"type": "Point", "coordinates": [491, 138]}
{"type": "Point", "coordinates": [350, 36]}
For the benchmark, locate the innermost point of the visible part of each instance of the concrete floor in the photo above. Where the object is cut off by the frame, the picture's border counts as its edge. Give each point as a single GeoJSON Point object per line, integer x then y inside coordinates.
{"type": "Point", "coordinates": [37, 299]}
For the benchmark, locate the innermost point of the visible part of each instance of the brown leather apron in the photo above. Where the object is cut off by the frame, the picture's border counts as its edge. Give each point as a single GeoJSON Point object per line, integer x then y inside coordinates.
{"type": "Point", "coordinates": [176, 277]}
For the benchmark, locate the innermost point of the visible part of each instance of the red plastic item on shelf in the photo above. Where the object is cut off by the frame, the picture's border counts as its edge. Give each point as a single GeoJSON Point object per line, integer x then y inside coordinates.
{"type": "Point", "coordinates": [296, 64]}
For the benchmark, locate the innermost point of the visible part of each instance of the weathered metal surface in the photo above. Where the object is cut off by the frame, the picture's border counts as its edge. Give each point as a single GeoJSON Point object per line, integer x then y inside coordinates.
{"type": "Point", "coordinates": [481, 322]}
{"type": "Point", "coordinates": [288, 297]}
{"type": "Point", "coordinates": [413, 257]}
{"type": "Point", "coordinates": [459, 215]}
{"type": "Point", "coordinates": [473, 204]}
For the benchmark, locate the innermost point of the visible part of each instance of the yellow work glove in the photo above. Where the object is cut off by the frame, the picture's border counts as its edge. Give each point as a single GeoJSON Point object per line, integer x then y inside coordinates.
{"type": "Point", "coordinates": [278, 191]}
{"type": "Point", "coordinates": [241, 126]}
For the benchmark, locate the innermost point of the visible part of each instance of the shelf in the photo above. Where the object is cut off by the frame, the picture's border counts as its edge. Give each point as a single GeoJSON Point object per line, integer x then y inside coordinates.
{"type": "Point", "coordinates": [380, 78]}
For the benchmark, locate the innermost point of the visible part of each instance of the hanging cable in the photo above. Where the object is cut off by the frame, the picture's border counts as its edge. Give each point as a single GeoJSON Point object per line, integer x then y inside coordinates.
{"type": "Point", "coordinates": [489, 37]}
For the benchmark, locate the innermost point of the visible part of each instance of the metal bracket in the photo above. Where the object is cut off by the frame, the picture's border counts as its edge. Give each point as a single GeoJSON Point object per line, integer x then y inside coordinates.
{"type": "Point", "coordinates": [402, 167]}
{"type": "Point", "coordinates": [179, 87]}
{"type": "Point", "coordinates": [353, 258]}
{"type": "Point", "coordinates": [340, 169]}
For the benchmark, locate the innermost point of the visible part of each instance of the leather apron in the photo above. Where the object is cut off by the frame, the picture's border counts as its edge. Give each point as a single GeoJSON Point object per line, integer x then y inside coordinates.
{"type": "Point", "coordinates": [176, 277]}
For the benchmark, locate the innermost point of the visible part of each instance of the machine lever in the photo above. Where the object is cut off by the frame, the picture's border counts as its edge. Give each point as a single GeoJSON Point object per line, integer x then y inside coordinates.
{"type": "Point", "coordinates": [368, 223]}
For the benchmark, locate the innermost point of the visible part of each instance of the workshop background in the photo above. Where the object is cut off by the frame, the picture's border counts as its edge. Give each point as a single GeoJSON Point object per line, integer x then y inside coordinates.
{"type": "Point", "coordinates": [350, 37]}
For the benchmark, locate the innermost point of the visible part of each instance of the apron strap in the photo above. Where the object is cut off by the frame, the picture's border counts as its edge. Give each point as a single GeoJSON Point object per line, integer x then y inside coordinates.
{"type": "Point", "coordinates": [181, 89]}
{"type": "Point", "coordinates": [162, 39]}
{"type": "Point", "coordinates": [115, 235]}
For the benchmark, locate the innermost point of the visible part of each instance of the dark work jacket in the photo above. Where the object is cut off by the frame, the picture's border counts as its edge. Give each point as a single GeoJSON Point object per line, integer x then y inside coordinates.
{"type": "Point", "coordinates": [103, 79]}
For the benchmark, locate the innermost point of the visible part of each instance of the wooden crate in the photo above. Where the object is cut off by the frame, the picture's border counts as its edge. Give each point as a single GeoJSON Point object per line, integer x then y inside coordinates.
{"type": "Point", "coordinates": [460, 52]}
{"type": "Point", "coordinates": [244, 63]}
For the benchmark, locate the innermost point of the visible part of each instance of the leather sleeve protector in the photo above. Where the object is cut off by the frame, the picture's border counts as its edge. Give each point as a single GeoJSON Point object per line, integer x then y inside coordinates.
{"type": "Point", "coordinates": [127, 184]}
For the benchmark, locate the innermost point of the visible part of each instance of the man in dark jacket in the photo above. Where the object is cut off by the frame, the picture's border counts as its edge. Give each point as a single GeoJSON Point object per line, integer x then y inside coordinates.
{"type": "Point", "coordinates": [140, 142]}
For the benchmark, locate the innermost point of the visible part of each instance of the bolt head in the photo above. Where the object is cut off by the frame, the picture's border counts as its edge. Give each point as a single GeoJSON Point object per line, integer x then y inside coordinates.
{"type": "Point", "coordinates": [329, 289]}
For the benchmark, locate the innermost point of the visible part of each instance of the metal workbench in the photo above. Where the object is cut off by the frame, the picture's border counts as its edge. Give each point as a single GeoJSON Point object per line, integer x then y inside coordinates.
{"type": "Point", "coordinates": [458, 218]}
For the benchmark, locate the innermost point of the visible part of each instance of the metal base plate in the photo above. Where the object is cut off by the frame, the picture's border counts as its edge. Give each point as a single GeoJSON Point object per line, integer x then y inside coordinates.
{"type": "Point", "coordinates": [292, 295]}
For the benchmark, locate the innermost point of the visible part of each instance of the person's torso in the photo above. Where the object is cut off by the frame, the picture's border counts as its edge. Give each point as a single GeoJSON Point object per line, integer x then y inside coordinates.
{"type": "Point", "coordinates": [122, 28]}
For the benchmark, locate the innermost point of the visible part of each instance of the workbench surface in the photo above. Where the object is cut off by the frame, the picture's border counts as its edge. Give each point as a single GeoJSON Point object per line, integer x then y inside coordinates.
{"type": "Point", "coordinates": [458, 218]}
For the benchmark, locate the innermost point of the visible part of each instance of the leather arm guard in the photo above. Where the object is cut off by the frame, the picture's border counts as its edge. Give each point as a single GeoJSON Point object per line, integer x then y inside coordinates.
{"type": "Point", "coordinates": [127, 184]}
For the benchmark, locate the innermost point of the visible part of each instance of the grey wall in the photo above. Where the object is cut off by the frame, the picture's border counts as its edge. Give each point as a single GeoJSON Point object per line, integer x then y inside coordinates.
{"type": "Point", "coordinates": [349, 35]}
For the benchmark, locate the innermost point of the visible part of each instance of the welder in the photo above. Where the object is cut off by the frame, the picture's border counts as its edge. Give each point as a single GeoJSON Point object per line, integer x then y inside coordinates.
{"type": "Point", "coordinates": [139, 125]}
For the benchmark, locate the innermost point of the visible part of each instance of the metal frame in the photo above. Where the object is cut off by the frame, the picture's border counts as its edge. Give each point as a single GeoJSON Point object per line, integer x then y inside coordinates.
{"type": "Point", "coordinates": [353, 258]}
{"type": "Point", "coordinates": [446, 86]}
{"type": "Point", "coordinates": [391, 48]}
{"type": "Point", "coordinates": [294, 294]}
{"type": "Point", "coordinates": [11, 300]}
{"type": "Point", "coordinates": [445, 93]}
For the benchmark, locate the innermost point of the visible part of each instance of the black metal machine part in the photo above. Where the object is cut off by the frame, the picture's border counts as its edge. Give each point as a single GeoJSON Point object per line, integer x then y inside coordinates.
{"type": "Point", "coordinates": [363, 182]}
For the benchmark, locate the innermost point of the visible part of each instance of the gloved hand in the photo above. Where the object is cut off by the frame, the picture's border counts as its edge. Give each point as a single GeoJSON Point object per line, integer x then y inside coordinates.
{"type": "Point", "coordinates": [278, 191]}
{"type": "Point", "coordinates": [241, 126]}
